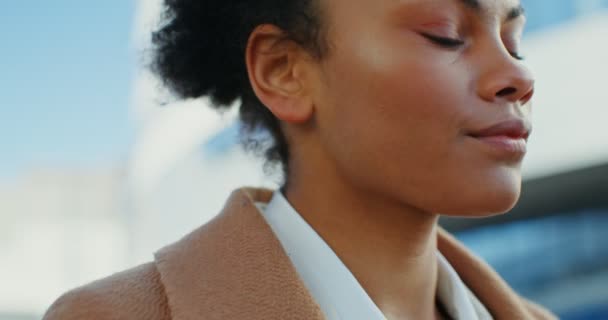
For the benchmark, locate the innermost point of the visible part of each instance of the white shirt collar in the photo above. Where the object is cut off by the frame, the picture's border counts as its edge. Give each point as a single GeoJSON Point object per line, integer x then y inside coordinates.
{"type": "Point", "coordinates": [331, 283]}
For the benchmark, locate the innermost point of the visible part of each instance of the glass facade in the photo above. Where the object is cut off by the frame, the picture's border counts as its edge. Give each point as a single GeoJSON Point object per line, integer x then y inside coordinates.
{"type": "Point", "coordinates": [560, 261]}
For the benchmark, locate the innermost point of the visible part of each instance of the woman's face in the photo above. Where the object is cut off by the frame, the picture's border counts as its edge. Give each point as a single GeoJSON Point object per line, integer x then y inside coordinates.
{"type": "Point", "coordinates": [405, 91]}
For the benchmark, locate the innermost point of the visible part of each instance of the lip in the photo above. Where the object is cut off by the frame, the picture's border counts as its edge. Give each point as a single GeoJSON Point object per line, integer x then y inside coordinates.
{"type": "Point", "coordinates": [506, 139]}
{"type": "Point", "coordinates": [513, 128]}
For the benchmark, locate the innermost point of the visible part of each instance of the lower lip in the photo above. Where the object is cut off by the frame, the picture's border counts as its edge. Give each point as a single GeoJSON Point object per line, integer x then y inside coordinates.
{"type": "Point", "coordinates": [504, 146]}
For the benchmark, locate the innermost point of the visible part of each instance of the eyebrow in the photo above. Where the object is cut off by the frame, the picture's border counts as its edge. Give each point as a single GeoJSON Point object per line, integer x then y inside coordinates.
{"type": "Point", "coordinates": [512, 14]}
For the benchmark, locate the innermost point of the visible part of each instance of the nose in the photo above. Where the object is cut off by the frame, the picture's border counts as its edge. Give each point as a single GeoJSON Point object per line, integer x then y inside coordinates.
{"type": "Point", "coordinates": [508, 80]}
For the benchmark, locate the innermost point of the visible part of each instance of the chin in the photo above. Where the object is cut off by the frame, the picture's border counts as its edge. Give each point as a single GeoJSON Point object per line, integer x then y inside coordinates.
{"type": "Point", "coordinates": [500, 202]}
{"type": "Point", "coordinates": [483, 207]}
{"type": "Point", "coordinates": [486, 198]}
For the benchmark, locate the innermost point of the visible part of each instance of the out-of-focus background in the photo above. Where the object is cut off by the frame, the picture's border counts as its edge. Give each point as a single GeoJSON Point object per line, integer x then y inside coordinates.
{"type": "Point", "coordinates": [95, 175]}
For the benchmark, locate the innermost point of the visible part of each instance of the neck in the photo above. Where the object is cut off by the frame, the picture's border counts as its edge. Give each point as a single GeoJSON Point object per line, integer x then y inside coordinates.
{"type": "Point", "coordinates": [389, 247]}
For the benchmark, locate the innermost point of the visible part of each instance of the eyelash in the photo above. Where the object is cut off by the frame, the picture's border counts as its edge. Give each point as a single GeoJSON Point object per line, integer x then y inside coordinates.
{"type": "Point", "coordinates": [451, 43]}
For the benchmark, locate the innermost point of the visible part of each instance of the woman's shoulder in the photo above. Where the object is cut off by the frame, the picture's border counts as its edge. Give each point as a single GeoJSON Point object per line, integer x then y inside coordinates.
{"type": "Point", "coordinates": [201, 262]}
{"type": "Point", "coordinates": [136, 293]}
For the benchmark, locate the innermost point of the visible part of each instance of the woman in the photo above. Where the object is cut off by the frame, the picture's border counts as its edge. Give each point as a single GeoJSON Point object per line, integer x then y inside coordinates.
{"type": "Point", "coordinates": [383, 115]}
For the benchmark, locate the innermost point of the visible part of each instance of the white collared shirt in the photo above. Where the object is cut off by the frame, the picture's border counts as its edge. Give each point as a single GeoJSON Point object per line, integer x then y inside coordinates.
{"type": "Point", "coordinates": [334, 287]}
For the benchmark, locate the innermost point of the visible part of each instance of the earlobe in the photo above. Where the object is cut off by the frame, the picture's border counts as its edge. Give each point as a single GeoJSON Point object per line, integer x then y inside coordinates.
{"type": "Point", "coordinates": [277, 72]}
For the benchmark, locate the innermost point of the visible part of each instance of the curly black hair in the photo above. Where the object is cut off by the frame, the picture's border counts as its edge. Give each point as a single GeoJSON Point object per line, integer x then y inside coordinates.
{"type": "Point", "coordinates": [199, 50]}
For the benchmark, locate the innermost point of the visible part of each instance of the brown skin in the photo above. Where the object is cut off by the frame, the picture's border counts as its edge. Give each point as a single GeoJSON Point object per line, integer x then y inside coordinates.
{"type": "Point", "coordinates": [378, 128]}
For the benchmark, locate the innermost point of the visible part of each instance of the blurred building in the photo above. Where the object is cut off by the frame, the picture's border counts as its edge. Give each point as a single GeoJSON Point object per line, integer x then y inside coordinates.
{"type": "Point", "coordinates": [60, 228]}
{"type": "Point", "coordinates": [552, 247]}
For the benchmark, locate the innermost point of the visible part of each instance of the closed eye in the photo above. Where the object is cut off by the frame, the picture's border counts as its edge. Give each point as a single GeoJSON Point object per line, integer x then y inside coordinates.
{"type": "Point", "coordinates": [452, 43]}
{"type": "Point", "coordinates": [449, 43]}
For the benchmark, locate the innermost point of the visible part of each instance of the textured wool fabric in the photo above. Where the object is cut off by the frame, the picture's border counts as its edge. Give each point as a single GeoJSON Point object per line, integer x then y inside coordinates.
{"type": "Point", "coordinates": [234, 267]}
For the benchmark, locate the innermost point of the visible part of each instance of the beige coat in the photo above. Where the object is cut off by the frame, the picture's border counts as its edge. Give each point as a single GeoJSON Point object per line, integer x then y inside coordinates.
{"type": "Point", "coordinates": [234, 267]}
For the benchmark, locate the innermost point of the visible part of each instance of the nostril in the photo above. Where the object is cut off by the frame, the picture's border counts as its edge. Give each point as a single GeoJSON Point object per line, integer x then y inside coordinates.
{"type": "Point", "coordinates": [506, 92]}
{"type": "Point", "coordinates": [527, 97]}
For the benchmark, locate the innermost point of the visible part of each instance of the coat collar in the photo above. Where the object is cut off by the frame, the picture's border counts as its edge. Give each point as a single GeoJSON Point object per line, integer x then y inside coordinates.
{"type": "Point", "coordinates": [234, 267]}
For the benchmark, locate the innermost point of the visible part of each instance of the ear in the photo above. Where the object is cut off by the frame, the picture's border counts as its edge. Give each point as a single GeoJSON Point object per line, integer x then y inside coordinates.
{"type": "Point", "coordinates": [278, 69]}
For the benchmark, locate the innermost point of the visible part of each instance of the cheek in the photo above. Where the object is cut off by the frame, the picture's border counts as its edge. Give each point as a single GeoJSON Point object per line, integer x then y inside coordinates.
{"type": "Point", "coordinates": [401, 102]}
{"type": "Point", "coordinates": [394, 124]}
{"type": "Point", "coordinates": [426, 97]}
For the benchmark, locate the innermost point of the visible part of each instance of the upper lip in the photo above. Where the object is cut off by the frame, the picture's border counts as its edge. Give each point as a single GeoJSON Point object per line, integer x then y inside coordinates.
{"type": "Point", "coordinates": [513, 128]}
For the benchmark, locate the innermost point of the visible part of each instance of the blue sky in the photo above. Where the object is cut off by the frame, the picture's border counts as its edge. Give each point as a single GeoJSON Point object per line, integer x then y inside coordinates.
{"type": "Point", "coordinates": [66, 73]}
{"type": "Point", "coordinates": [65, 82]}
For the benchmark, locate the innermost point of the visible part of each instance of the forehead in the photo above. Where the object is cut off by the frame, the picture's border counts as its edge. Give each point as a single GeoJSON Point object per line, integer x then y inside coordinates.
{"type": "Point", "coordinates": [505, 9]}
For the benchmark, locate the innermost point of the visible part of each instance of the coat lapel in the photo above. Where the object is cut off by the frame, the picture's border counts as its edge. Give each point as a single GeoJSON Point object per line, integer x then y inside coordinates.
{"type": "Point", "coordinates": [234, 267]}
{"type": "Point", "coordinates": [493, 292]}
